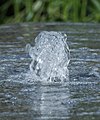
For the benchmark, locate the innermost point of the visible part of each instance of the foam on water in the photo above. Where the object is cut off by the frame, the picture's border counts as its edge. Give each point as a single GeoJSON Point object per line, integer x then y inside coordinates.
{"type": "Point", "coordinates": [50, 57]}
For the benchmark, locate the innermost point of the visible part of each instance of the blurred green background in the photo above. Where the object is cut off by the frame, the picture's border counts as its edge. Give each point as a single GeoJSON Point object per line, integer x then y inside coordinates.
{"type": "Point", "coordinates": [13, 11]}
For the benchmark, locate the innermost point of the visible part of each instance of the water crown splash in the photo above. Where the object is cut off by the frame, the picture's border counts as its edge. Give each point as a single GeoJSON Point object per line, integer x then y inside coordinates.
{"type": "Point", "coordinates": [50, 57]}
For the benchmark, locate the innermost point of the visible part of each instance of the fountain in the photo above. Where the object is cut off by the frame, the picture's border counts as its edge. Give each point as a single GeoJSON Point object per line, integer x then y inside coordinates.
{"type": "Point", "coordinates": [50, 57]}
{"type": "Point", "coordinates": [24, 95]}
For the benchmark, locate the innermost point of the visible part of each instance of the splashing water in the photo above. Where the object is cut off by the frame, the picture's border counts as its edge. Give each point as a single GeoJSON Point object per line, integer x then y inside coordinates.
{"type": "Point", "coordinates": [50, 57]}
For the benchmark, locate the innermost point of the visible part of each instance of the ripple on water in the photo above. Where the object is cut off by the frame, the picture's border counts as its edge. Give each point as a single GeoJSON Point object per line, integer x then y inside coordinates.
{"type": "Point", "coordinates": [22, 97]}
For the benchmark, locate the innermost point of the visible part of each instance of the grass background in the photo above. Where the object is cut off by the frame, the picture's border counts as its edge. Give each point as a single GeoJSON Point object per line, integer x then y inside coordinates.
{"type": "Point", "coordinates": [14, 11]}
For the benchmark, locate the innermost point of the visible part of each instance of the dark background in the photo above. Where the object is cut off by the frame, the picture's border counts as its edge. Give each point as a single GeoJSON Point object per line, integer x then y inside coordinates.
{"type": "Point", "coordinates": [14, 11]}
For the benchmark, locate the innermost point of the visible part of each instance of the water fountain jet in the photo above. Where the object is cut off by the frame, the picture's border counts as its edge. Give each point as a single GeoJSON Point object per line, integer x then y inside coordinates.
{"type": "Point", "coordinates": [50, 57]}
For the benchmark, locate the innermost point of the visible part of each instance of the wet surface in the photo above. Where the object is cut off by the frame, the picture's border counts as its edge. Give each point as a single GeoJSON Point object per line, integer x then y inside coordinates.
{"type": "Point", "coordinates": [21, 98]}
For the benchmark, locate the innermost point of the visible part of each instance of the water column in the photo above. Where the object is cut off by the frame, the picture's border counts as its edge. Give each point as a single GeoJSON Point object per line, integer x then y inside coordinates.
{"type": "Point", "coordinates": [50, 57]}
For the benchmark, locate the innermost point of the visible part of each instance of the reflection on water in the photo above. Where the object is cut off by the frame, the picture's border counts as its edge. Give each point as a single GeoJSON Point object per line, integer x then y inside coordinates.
{"type": "Point", "coordinates": [52, 104]}
{"type": "Point", "coordinates": [24, 100]}
{"type": "Point", "coordinates": [21, 98]}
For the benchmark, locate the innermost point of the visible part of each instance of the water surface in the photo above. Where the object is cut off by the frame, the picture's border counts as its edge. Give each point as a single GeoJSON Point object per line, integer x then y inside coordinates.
{"type": "Point", "coordinates": [23, 99]}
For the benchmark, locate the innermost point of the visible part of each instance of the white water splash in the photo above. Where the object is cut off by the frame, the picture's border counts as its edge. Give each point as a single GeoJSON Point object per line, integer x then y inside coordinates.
{"type": "Point", "coordinates": [50, 57]}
